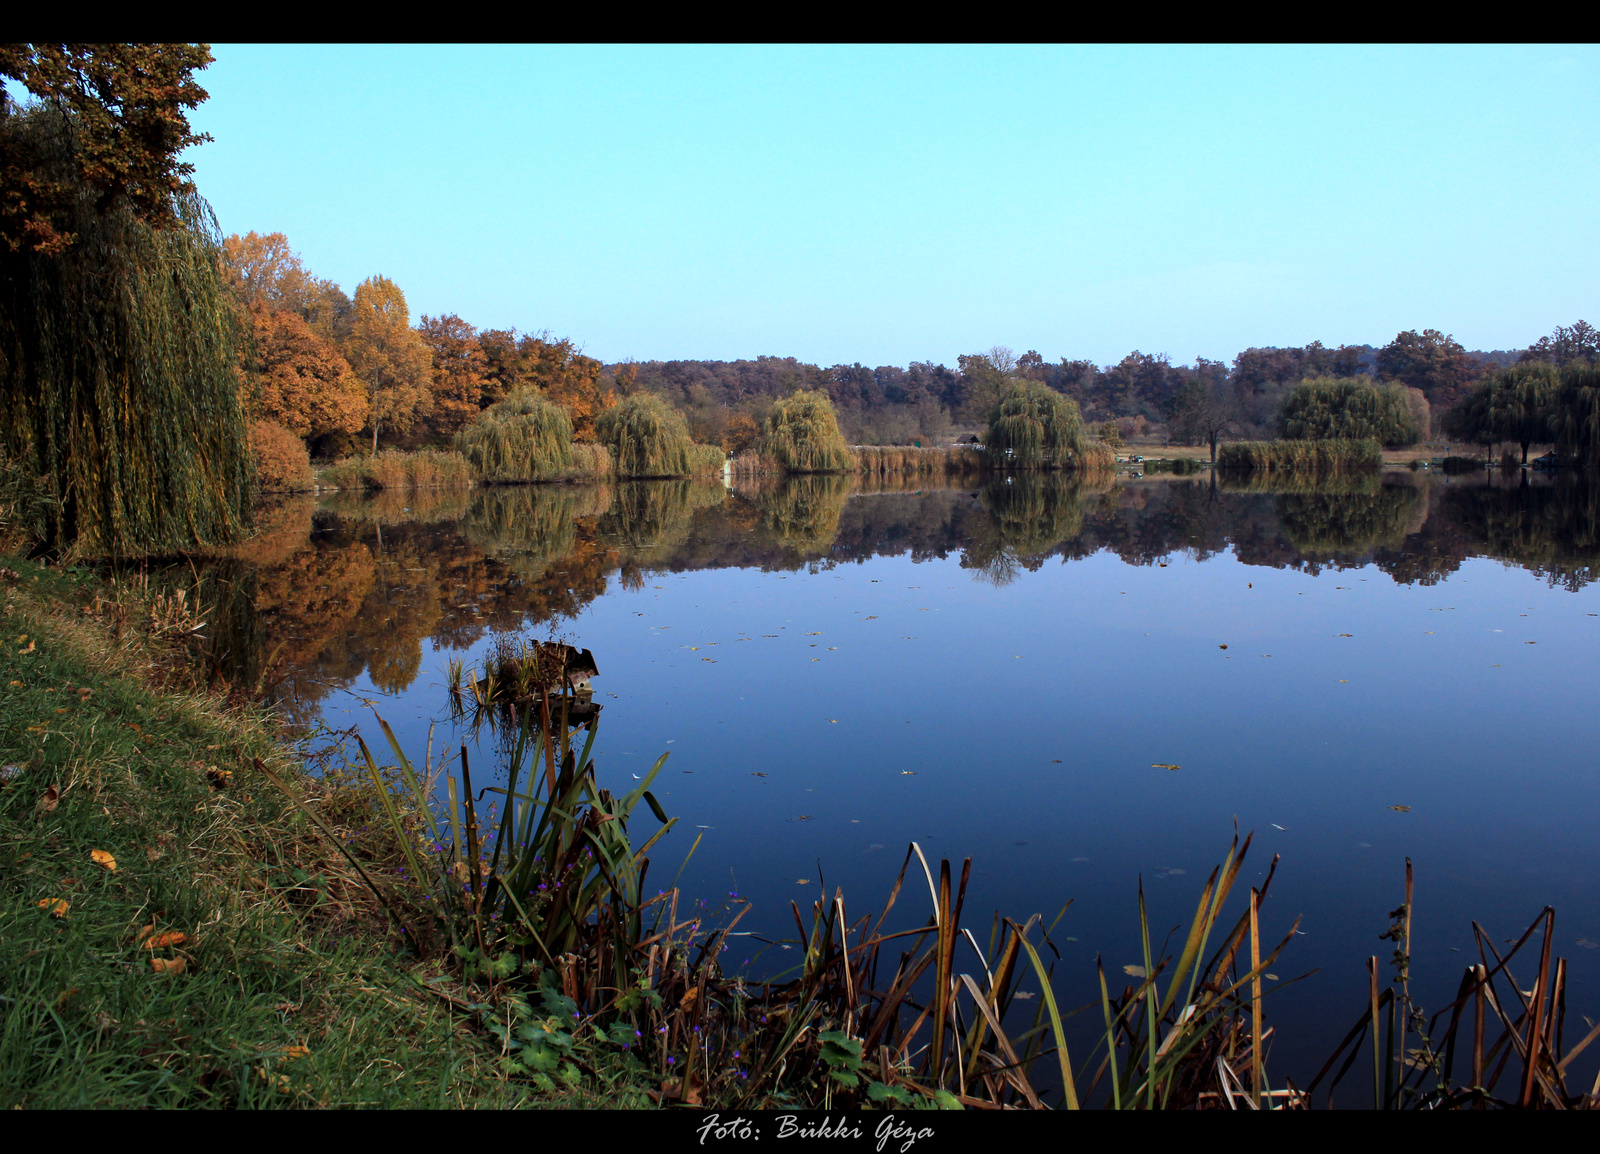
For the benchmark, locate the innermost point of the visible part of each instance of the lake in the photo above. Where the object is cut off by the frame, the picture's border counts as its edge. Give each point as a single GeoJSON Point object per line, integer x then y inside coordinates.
{"type": "Point", "coordinates": [1079, 686]}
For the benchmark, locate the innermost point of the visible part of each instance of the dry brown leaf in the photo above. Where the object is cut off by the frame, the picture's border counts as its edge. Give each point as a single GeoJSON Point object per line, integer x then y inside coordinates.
{"type": "Point", "coordinates": [57, 906]}
{"type": "Point", "coordinates": [689, 998]}
{"type": "Point", "coordinates": [166, 938]}
{"type": "Point", "coordinates": [101, 858]}
{"type": "Point", "coordinates": [51, 799]}
{"type": "Point", "coordinates": [169, 965]}
{"type": "Point", "coordinates": [293, 1052]}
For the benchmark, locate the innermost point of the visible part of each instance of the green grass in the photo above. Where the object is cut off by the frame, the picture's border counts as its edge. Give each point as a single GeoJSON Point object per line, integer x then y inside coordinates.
{"type": "Point", "coordinates": [283, 947]}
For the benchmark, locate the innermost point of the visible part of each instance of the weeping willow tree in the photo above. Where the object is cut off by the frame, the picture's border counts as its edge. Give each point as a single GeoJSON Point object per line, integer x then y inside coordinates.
{"type": "Point", "coordinates": [802, 513]}
{"type": "Point", "coordinates": [802, 434]}
{"type": "Point", "coordinates": [1348, 409]}
{"type": "Point", "coordinates": [1034, 427]}
{"type": "Point", "coordinates": [522, 438]}
{"type": "Point", "coordinates": [119, 354]}
{"type": "Point", "coordinates": [1575, 414]}
{"type": "Point", "coordinates": [647, 438]}
{"type": "Point", "coordinates": [1515, 404]}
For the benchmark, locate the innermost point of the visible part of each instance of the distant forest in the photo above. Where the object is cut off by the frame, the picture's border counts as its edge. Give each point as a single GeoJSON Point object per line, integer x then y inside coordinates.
{"type": "Point", "coordinates": [1141, 393]}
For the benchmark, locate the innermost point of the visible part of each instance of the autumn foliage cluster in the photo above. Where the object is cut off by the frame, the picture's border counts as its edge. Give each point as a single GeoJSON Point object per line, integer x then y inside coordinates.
{"type": "Point", "coordinates": [330, 367]}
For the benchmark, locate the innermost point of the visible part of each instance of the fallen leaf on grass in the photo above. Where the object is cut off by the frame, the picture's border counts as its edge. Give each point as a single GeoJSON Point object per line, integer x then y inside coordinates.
{"type": "Point", "coordinates": [57, 906]}
{"type": "Point", "coordinates": [101, 858]}
{"type": "Point", "coordinates": [165, 938]}
{"type": "Point", "coordinates": [293, 1052]}
{"type": "Point", "coordinates": [152, 853]}
{"type": "Point", "coordinates": [169, 965]}
{"type": "Point", "coordinates": [51, 798]}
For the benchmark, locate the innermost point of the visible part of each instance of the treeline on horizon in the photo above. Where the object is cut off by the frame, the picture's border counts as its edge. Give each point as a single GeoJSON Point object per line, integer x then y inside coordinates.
{"type": "Point", "coordinates": [342, 371]}
{"type": "Point", "coordinates": [1143, 393]}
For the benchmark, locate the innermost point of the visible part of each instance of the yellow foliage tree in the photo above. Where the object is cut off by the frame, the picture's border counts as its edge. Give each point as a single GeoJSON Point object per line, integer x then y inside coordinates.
{"type": "Point", "coordinates": [389, 356]}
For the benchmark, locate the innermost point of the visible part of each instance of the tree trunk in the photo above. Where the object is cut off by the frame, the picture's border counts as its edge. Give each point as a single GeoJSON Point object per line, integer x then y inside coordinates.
{"type": "Point", "coordinates": [1525, 445]}
{"type": "Point", "coordinates": [374, 435]}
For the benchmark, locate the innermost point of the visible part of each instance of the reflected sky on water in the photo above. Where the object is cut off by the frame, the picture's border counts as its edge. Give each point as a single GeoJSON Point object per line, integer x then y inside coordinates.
{"type": "Point", "coordinates": [996, 673]}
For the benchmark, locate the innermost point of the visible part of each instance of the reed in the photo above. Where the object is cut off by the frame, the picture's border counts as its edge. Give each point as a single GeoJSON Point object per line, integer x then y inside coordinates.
{"type": "Point", "coordinates": [882, 461]}
{"type": "Point", "coordinates": [802, 435]}
{"type": "Point", "coordinates": [523, 438]}
{"type": "Point", "coordinates": [399, 471]}
{"type": "Point", "coordinates": [1323, 456]}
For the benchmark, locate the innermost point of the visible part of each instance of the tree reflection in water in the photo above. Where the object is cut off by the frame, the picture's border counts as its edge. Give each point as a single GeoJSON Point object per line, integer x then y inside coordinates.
{"type": "Point", "coordinates": [354, 585]}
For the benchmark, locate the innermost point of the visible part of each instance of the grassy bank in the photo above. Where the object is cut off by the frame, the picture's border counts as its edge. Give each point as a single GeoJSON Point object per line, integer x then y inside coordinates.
{"type": "Point", "coordinates": [175, 933]}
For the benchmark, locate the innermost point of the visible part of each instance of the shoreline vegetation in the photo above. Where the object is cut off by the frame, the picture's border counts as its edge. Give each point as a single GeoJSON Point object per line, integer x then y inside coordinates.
{"type": "Point", "coordinates": [200, 917]}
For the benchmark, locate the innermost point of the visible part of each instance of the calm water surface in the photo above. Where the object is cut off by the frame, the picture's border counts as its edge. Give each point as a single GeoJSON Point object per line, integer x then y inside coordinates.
{"type": "Point", "coordinates": [993, 673]}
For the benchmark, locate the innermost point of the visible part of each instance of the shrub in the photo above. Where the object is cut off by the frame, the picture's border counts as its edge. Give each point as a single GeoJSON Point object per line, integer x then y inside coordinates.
{"type": "Point", "coordinates": [523, 438]}
{"type": "Point", "coordinates": [281, 461]}
{"type": "Point", "coordinates": [802, 435]}
{"type": "Point", "coordinates": [1348, 409]}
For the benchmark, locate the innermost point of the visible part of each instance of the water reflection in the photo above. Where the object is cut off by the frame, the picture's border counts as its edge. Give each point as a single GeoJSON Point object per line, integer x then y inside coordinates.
{"type": "Point", "coordinates": [355, 585]}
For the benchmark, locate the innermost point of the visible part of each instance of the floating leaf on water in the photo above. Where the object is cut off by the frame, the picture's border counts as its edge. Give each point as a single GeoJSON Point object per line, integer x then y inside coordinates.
{"type": "Point", "coordinates": [1270, 977]}
{"type": "Point", "coordinates": [758, 775]}
{"type": "Point", "coordinates": [874, 617]}
{"type": "Point", "coordinates": [833, 721]}
{"type": "Point", "coordinates": [1585, 943]}
{"type": "Point", "coordinates": [1344, 635]}
{"type": "Point", "coordinates": [101, 858]}
{"type": "Point", "coordinates": [1401, 808]}
{"type": "Point", "coordinates": [817, 633]}
{"type": "Point", "coordinates": [1164, 765]}
{"type": "Point", "coordinates": [1023, 994]}
{"type": "Point", "coordinates": [1222, 647]}
{"type": "Point", "coordinates": [1133, 971]}
{"type": "Point", "coordinates": [802, 881]}
{"type": "Point", "coordinates": [908, 773]}
{"type": "Point", "coordinates": [1055, 761]}
{"type": "Point", "coordinates": [1275, 825]}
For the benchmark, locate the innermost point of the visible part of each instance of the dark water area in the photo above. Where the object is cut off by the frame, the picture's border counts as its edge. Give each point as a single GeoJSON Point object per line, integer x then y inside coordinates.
{"type": "Point", "coordinates": [994, 673]}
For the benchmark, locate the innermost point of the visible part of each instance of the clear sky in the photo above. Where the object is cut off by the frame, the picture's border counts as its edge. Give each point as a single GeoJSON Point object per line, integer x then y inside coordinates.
{"type": "Point", "coordinates": [890, 204]}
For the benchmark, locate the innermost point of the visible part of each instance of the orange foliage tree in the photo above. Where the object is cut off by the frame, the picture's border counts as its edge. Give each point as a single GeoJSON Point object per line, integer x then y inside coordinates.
{"type": "Point", "coordinates": [388, 354]}
{"type": "Point", "coordinates": [299, 380]}
{"type": "Point", "coordinates": [459, 372]}
{"type": "Point", "coordinates": [554, 367]}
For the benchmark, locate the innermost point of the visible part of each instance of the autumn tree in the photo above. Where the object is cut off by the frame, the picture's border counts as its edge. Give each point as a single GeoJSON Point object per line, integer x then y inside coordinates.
{"type": "Point", "coordinates": [1431, 361]}
{"type": "Point", "coordinates": [459, 372]}
{"type": "Point", "coordinates": [389, 357]}
{"type": "Point", "coordinates": [264, 269]}
{"type": "Point", "coordinates": [568, 378]}
{"type": "Point", "coordinates": [1581, 342]}
{"type": "Point", "coordinates": [300, 381]}
{"type": "Point", "coordinates": [121, 111]}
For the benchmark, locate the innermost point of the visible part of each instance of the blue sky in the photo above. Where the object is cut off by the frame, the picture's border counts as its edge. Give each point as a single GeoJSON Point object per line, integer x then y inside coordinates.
{"type": "Point", "coordinates": [889, 204]}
